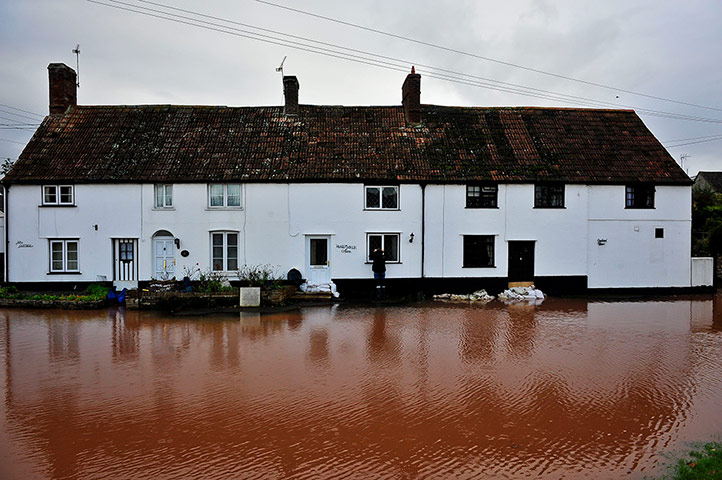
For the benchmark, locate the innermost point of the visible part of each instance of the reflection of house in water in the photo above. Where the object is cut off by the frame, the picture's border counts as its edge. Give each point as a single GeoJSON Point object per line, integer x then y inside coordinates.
{"type": "Point", "coordinates": [397, 390]}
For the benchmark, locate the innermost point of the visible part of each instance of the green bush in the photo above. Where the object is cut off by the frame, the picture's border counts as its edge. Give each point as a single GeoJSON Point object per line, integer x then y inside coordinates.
{"type": "Point", "coordinates": [703, 464]}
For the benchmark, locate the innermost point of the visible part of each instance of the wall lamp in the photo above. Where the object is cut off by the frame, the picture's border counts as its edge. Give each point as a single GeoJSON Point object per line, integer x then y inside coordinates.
{"type": "Point", "coordinates": [177, 242]}
{"type": "Point", "coordinates": [601, 241]}
{"type": "Point", "coordinates": [411, 237]}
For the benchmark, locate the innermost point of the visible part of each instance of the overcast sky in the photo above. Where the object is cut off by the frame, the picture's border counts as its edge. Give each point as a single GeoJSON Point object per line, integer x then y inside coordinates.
{"type": "Point", "coordinates": [666, 49]}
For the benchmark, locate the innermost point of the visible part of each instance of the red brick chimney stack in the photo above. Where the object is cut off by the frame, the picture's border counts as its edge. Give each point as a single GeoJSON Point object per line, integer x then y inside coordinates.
{"type": "Point", "coordinates": [411, 97]}
{"type": "Point", "coordinates": [63, 88]}
{"type": "Point", "coordinates": [290, 93]}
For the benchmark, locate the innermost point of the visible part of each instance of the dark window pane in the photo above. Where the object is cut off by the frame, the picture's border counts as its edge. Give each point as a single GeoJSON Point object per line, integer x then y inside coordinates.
{"type": "Point", "coordinates": [374, 243]}
{"type": "Point", "coordinates": [391, 247]}
{"type": "Point", "coordinates": [66, 194]}
{"type": "Point", "coordinates": [373, 197]}
{"type": "Point", "coordinates": [478, 250]}
{"type": "Point", "coordinates": [639, 196]}
{"type": "Point", "coordinates": [319, 251]}
{"type": "Point", "coordinates": [549, 196]}
{"type": "Point", "coordinates": [390, 197]}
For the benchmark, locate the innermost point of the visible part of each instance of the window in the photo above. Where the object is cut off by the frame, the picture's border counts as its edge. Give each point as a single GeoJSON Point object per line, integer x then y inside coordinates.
{"type": "Point", "coordinates": [382, 198]}
{"type": "Point", "coordinates": [640, 196]}
{"type": "Point", "coordinates": [58, 195]}
{"type": "Point", "coordinates": [388, 242]}
{"type": "Point", "coordinates": [549, 196]}
{"type": "Point", "coordinates": [63, 255]}
{"type": "Point", "coordinates": [163, 196]}
{"type": "Point", "coordinates": [226, 195]}
{"type": "Point", "coordinates": [224, 251]}
{"type": "Point", "coordinates": [478, 251]}
{"type": "Point", "coordinates": [481, 196]}
{"type": "Point", "coordinates": [659, 233]}
{"type": "Point", "coordinates": [126, 251]}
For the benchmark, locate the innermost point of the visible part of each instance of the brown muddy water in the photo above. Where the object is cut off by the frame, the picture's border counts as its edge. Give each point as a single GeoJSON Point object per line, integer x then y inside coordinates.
{"type": "Point", "coordinates": [570, 388]}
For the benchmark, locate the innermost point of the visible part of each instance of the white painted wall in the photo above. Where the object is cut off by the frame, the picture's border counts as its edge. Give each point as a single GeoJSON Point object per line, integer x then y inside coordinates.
{"type": "Point", "coordinates": [276, 219]}
{"type": "Point", "coordinates": [632, 256]}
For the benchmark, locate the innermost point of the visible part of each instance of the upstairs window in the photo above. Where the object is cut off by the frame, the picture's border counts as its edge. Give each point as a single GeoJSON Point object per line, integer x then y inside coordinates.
{"type": "Point", "coordinates": [382, 198]}
{"type": "Point", "coordinates": [481, 196]}
{"type": "Point", "coordinates": [640, 196]}
{"type": "Point", "coordinates": [224, 195]}
{"type": "Point", "coordinates": [163, 196]}
{"type": "Point", "coordinates": [549, 195]}
{"type": "Point", "coordinates": [58, 195]}
{"type": "Point", "coordinates": [388, 242]}
{"type": "Point", "coordinates": [478, 251]}
{"type": "Point", "coordinates": [63, 256]}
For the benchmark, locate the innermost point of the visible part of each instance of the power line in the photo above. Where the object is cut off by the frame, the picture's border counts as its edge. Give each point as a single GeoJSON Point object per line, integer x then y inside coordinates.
{"type": "Point", "coordinates": [17, 114]}
{"type": "Point", "coordinates": [693, 143]}
{"type": "Point", "coordinates": [21, 110]}
{"type": "Point", "coordinates": [385, 62]}
{"type": "Point", "coordinates": [489, 59]}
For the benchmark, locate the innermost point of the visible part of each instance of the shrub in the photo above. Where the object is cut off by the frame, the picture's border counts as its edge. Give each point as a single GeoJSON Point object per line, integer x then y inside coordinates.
{"type": "Point", "coordinates": [259, 275]}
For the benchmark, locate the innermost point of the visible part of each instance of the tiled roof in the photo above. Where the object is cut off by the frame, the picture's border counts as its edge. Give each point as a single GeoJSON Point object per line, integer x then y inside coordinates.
{"type": "Point", "coordinates": [713, 179]}
{"type": "Point", "coordinates": [326, 143]}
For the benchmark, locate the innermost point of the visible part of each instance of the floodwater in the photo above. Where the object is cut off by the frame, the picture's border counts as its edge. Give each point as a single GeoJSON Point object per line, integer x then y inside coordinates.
{"type": "Point", "coordinates": [565, 389]}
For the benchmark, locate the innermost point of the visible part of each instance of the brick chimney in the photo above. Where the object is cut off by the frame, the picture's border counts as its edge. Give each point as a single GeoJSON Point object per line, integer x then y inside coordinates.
{"type": "Point", "coordinates": [290, 93]}
{"type": "Point", "coordinates": [63, 89]}
{"type": "Point", "coordinates": [411, 97]}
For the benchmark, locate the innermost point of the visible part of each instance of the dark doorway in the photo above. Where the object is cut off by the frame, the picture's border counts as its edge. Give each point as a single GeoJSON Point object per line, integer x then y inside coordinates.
{"type": "Point", "coordinates": [521, 261]}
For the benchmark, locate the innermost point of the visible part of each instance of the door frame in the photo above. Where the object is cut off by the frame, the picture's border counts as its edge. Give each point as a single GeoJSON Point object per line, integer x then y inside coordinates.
{"type": "Point", "coordinates": [166, 238]}
{"type": "Point", "coordinates": [310, 268]}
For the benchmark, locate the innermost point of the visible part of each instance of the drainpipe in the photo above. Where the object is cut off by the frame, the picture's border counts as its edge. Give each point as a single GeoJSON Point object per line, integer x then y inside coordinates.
{"type": "Point", "coordinates": [7, 237]}
{"type": "Point", "coordinates": [423, 226]}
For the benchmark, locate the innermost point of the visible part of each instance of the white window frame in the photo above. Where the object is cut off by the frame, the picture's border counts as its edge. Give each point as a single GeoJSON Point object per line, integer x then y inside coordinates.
{"type": "Point", "coordinates": [380, 188]}
{"type": "Point", "coordinates": [63, 242]}
{"type": "Point", "coordinates": [225, 196]}
{"type": "Point", "coordinates": [166, 199]}
{"type": "Point", "coordinates": [383, 236]}
{"type": "Point", "coordinates": [225, 246]}
{"type": "Point", "coordinates": [56, 191]}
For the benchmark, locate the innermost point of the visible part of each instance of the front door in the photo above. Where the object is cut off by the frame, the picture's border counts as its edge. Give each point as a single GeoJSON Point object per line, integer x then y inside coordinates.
{"type": "Point", "coordinates": [125, 265]}
{"type": "Point", "coordinates": [164, 258]}
{"type": "Point", "coordinates": [318, 269]}
{"type": "Point", "coordinates": [521, 261]}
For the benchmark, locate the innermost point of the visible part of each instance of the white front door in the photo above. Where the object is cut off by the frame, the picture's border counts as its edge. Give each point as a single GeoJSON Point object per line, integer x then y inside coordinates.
{"type": "Point", "coordinates": [164, 258]}
{"type": "Point", "coordinates": [318, 266]}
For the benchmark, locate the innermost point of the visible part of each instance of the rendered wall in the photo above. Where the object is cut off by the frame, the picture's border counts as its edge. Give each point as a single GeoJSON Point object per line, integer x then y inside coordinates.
{"type": "Point", "coordinates": [276, 220]}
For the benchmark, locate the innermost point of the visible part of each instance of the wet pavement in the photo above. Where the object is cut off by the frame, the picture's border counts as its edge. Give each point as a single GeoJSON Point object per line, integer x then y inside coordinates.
{"type": "Point", "coordinates": [565, 389]}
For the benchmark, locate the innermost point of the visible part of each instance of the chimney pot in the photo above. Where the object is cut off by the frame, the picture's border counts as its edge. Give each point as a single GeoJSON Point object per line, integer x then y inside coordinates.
{"type": "Point", "coordinates": [290, 94]}
{"type": "Point", "coordinates": [411, 97]}
{"type": "Point", "coordinates": [63, 87]}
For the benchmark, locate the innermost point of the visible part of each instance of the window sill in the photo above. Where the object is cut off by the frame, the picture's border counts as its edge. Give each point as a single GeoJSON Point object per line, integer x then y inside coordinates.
{"type": "Point", "coordinates": [53, 205]}
{"type": "Point", "coordinates": [639, 208]}
{"type": "Point", "coordinates": [549, 208]}
{"type": "Point", "coordinates": [64, 273]}
{"type": "Point", "coordinates": [382, 209]}
{"type": "Point", "coordinates": [163, 209]}
{"type": "Point", "coordinates": [478, 266]}
{"type": "Point", "coordinates": [481, 208]}
{"type": "Point", "coordinates": [221, 209]}
{"type": "Point", "coordinates": [387, 263]}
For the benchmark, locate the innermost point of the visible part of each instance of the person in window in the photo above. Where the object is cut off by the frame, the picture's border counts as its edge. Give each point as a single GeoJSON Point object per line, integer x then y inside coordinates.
{"type": "Point", "coordinates": [378, 257]}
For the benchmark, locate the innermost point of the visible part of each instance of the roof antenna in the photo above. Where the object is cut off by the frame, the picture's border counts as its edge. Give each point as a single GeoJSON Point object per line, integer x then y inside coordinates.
{"type": "Point", "coordinates": [76, 51]}
{"type": "Point", "coordinates": [280, 67]}
{"type": "Point", "coordinates": [682, 160]}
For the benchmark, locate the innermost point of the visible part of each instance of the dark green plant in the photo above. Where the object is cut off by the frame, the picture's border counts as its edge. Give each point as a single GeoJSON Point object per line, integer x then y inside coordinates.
{"type": "Point", "coordinates": [260, 275]}
{"type": "Point", "coordinates": [211, 281]}
{"type": "Point", "coordinates": [702, 464]}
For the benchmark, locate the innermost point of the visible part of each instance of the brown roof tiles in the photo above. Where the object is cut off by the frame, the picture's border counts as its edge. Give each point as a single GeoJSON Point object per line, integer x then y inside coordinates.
{"type": "Point", "coordinates": [453, 144]}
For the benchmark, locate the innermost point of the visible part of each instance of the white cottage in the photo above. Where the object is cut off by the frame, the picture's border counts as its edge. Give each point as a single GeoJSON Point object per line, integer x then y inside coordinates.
{"type": "Point", "coordinates": [458, 197]}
